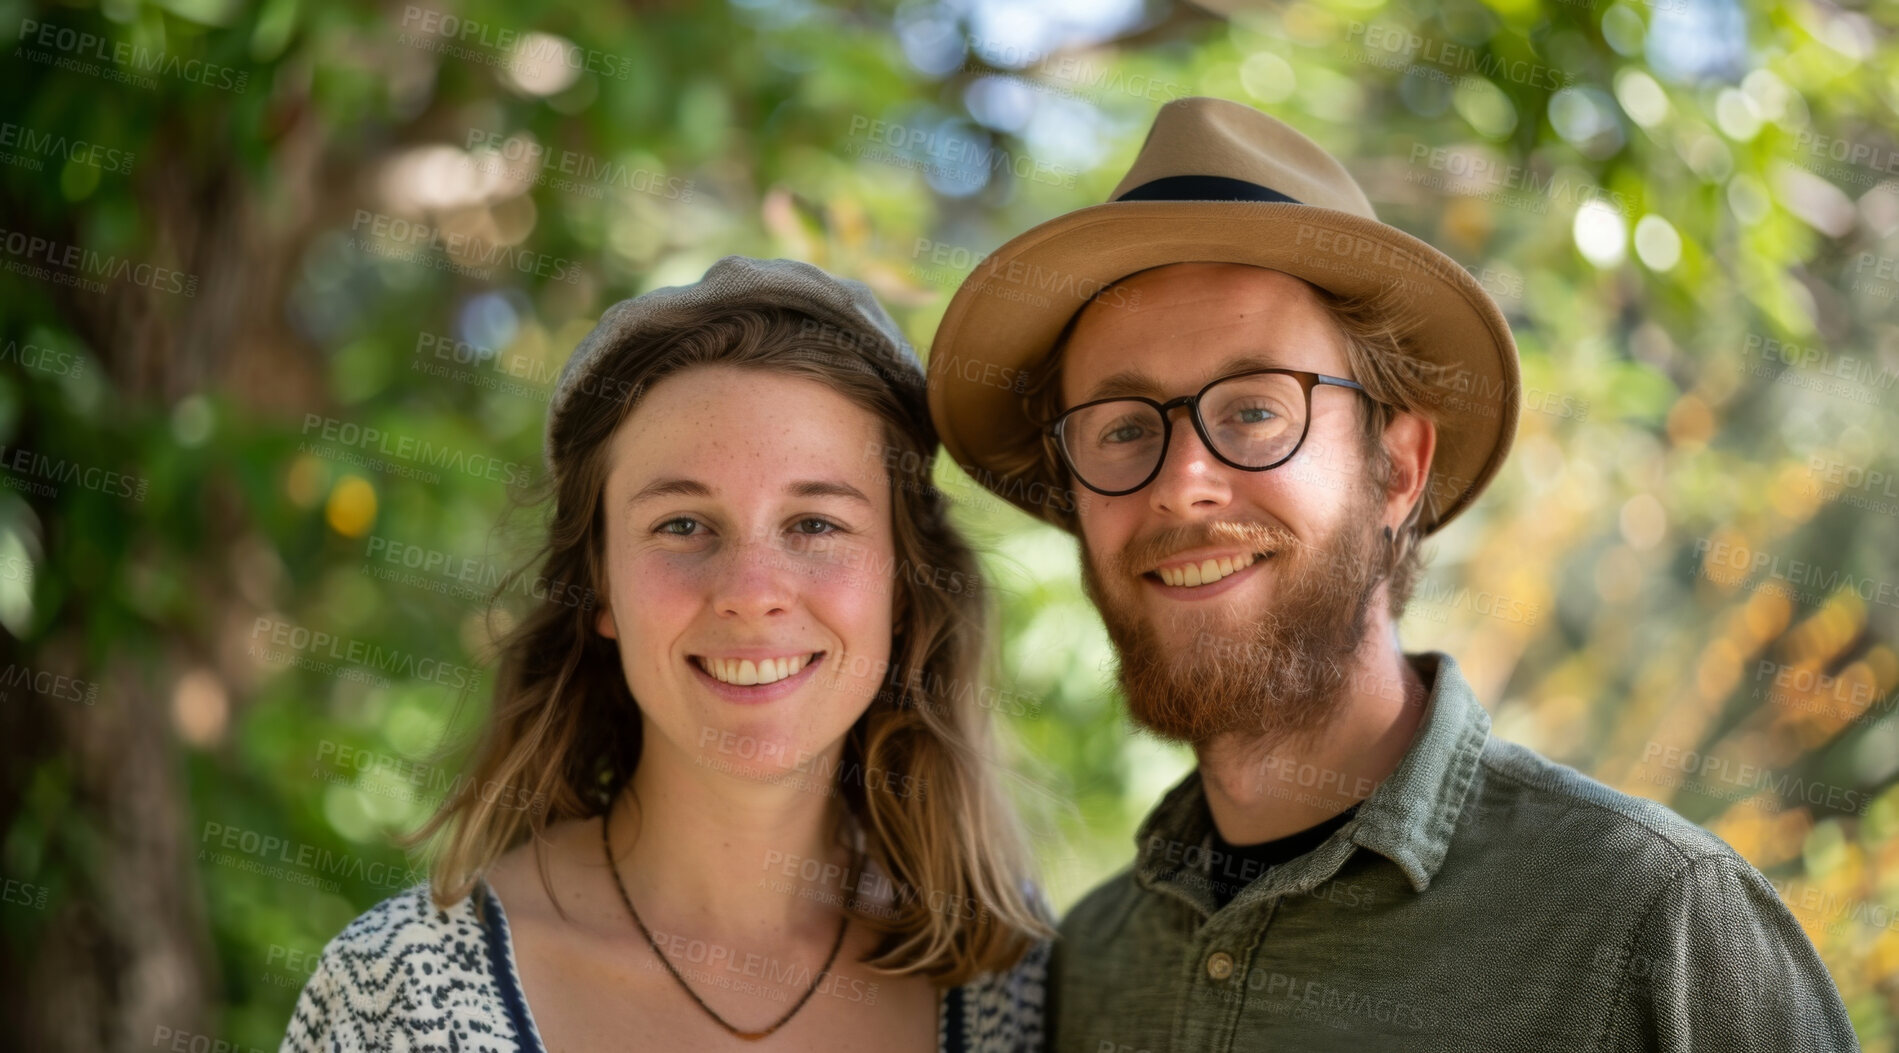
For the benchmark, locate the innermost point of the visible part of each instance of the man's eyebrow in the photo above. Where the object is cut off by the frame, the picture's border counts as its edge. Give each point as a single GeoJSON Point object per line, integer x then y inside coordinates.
{"type": "Point", "coordinates": [675, 487]}
{"type": "Point", "coordinates": [1136, 382]}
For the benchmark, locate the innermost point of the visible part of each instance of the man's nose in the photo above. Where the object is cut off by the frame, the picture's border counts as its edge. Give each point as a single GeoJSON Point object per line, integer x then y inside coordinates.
{"type": "Point", "coordinates": [1190, 477]}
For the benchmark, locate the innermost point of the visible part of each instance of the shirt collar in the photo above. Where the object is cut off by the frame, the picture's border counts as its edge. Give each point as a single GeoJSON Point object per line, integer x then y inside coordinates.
{"type": "Point", "coordinates": [1408, 819]}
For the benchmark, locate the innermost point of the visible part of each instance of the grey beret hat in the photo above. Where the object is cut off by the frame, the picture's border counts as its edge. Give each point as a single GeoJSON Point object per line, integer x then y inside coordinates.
{"type": "Point", "coordinates": [859, 326]}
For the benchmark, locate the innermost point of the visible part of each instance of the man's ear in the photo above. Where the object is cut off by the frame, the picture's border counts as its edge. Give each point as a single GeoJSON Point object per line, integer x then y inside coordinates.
{"type": "Point", "coordinates": [1410, 442]}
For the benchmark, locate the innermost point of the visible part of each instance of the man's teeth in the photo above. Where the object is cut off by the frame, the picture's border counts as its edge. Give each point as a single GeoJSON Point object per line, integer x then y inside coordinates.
{"type": "Point", "coordinates": [1205, 572]}
{"type": "Point", "coordinates": [745, 671]}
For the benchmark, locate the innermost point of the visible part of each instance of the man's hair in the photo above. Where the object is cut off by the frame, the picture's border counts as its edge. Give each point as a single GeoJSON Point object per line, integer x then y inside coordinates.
{"type": "Point", "coordinates": [1377, 329]}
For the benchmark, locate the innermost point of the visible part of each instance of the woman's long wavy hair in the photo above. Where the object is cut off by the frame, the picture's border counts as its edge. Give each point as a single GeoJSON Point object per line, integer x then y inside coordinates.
{"type": "Point", "coordinates": [563, 731]}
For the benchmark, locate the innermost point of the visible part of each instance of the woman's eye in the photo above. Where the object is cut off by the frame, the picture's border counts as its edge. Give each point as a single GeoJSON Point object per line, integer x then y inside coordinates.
{"type": "Point", "coordinates": [667, 527]}
{"type": "Point", "coordinates": [824, 526]}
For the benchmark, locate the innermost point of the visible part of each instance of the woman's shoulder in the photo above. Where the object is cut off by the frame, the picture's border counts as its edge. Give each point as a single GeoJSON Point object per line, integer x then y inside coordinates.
{"type": "Point", "coordinates": [1003, 1009]}
{"type": "Point", "coordinates": [408, 938]}
{"type": "Point", "coordinates": [402, 918]}
{"type": "Point", "coordinates": [404, 966]}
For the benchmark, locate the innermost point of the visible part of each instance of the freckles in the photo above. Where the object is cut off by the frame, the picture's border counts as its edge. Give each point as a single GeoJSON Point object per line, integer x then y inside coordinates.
{"type": "Point", "coordinates": [843, 587]}
{"type": "Point", "coordinates": [648, 573]}
{"type": "Point", "coordinates": [857, 581]}
{"type": "Point", "coordinates": [1108, 522]}
{"type": "Point", "coordinates": [663, 588]}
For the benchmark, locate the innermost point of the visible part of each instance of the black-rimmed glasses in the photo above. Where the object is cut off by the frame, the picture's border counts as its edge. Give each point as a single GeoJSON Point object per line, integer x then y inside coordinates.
{"type": "Point", "coordinates": [1252, 421]}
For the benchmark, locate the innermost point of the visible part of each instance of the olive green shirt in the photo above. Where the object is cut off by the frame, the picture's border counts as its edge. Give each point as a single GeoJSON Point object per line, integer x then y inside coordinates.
{"type": "Point", "coordinates": [1483, 898]}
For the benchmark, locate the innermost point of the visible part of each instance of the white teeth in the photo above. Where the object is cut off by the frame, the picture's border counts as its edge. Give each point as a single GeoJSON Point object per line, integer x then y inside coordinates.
{"type": "Point", "coordinates": [1206, 572]}
{"type": "Point", "coordinates": [747, 672]}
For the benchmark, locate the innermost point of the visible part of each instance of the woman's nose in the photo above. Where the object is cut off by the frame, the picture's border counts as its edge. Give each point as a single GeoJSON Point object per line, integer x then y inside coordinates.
{"type": "Point", "coordinates": [753, 579]}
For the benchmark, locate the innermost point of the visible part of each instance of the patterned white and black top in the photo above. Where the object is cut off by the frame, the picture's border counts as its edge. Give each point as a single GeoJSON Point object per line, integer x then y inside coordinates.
{"type": "Point", "coordinates": [407, 977]}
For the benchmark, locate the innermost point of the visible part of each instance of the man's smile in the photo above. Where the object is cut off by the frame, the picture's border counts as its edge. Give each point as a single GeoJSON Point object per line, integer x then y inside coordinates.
{"type": "Point", "coordinates": [1195, 569]}
{"type": "Point", "coordinates": [1204, 577]}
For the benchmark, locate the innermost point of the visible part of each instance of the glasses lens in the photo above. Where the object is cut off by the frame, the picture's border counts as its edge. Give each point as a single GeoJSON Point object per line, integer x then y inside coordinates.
{"type": "Point", "coordinates": [1114, 445]}
{"type": "Point", "coordinates": [1255, 420]}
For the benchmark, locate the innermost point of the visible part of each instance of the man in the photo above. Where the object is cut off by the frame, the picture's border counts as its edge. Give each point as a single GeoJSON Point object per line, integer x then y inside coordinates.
{"type": "Point", "coordinates": [1249, 399]}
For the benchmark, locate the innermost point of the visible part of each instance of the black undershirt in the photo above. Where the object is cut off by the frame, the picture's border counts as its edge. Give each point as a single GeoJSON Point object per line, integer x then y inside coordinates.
{"type": "Point", "coordinates": [1233, 867]}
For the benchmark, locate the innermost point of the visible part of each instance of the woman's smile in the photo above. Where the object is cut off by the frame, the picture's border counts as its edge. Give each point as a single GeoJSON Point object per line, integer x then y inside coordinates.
{"type": "Point", "coordinates": [755, 680]}
{"type": "Point", "coordinates": [747, 671]}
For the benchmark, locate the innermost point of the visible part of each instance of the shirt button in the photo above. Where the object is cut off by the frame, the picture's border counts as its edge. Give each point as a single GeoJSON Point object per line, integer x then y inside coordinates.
{"type": "Point", "coordinates": [1219, 965]}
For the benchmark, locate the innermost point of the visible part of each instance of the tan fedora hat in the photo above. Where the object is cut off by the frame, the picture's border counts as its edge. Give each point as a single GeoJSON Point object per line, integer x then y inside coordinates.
{"type": "Point", "coordinates": [1218, 181]}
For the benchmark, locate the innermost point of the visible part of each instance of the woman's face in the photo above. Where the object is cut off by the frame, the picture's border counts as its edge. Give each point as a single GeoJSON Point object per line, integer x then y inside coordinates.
{"type": "Point", "coordinates": [749, 562]}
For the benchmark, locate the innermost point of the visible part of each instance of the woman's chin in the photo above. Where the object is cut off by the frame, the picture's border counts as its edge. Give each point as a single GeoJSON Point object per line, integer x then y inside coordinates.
{"type": "Point", "coordinates": [813, 778]}
{"type": "Point", "coordinates": [764, 755]}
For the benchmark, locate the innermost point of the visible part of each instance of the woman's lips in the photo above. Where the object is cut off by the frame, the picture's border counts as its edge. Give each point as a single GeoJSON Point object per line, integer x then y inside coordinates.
{"type": "Point", "coordinates": [750, 670]}
{"type": "Point", "coordinates": [757, 693]}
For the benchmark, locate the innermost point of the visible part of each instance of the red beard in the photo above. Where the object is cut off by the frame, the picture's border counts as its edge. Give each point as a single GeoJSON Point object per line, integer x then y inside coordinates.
{"type": "Point", "coordinates": [1279, 675]}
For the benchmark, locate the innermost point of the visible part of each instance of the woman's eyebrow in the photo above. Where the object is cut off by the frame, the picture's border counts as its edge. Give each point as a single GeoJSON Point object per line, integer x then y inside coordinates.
{"type": "Point", "coordinates": [669, 488]}
{"type": "Point", "coordinates": [674, 487]}
{"type": "Point", "coordinates": [826, 488]}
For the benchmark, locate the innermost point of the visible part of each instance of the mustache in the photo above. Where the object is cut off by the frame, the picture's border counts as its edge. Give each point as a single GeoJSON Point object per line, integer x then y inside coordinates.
{"type": "Point", "coordinates": [1143, 553]}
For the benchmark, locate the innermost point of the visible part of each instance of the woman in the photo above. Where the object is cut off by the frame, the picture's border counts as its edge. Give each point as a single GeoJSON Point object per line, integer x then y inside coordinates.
{"type": "Point", "coordinates": [759, 796]}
